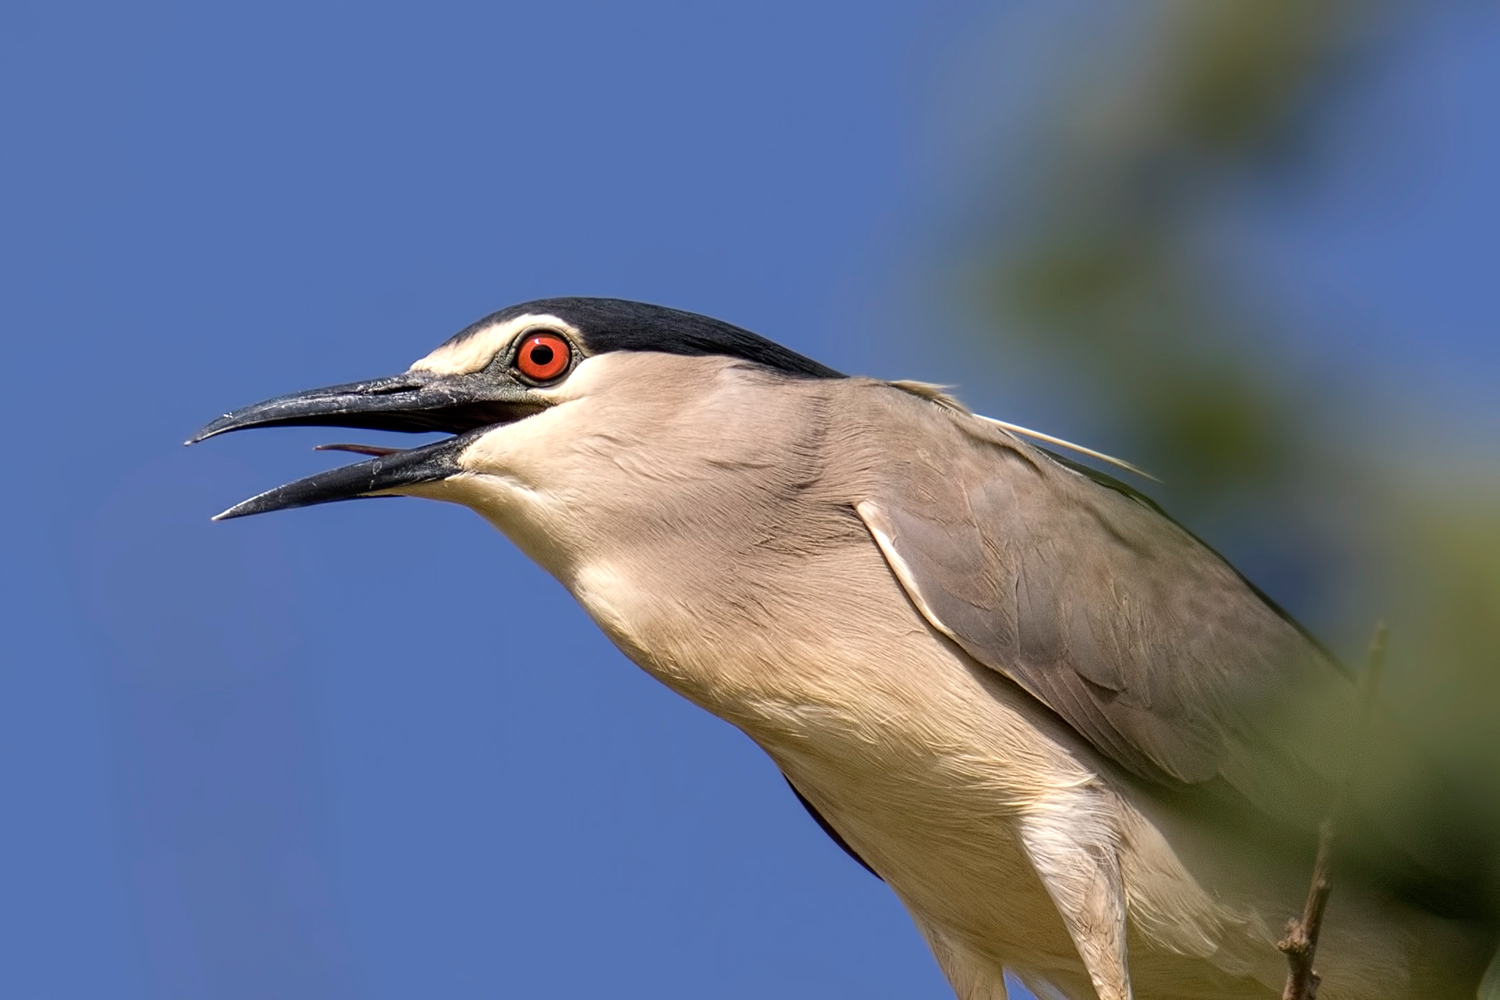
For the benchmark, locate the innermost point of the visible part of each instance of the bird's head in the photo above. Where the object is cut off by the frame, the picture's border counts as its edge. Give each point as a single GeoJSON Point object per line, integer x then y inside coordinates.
{"type": "Point", "coordinates": [525, 393]}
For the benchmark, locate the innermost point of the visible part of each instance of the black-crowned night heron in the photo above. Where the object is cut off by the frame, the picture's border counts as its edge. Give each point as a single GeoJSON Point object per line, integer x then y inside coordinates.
{"type": "Point", "coordinates": [1072, 739]}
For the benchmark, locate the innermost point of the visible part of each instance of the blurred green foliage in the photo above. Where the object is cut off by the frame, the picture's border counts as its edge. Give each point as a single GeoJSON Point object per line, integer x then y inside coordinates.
{"type": "Point", "coordinates": [1100, 274]}
{"type": "Point", "coordinates": [1102, 269]}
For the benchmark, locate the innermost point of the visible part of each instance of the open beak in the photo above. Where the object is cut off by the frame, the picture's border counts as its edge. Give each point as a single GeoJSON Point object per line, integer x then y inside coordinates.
{"type": "Point", "coordinates": [463, 405]}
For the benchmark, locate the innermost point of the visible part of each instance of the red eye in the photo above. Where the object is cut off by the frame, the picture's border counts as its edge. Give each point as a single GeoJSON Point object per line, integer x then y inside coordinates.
{"type": "Point", "coordinates": [543, 356]}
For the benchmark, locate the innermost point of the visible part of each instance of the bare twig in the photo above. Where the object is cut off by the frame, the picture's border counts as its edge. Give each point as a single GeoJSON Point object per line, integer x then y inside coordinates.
{"type": "Point", "coordinates": [1301, 942]}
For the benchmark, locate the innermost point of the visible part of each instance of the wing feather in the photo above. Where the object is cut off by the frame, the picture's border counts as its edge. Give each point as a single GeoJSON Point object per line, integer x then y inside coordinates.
{"type": "Point", "coordinates": [1134, 632]}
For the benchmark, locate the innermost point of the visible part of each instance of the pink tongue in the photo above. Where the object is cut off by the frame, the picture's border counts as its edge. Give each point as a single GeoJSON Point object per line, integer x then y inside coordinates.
{"type": "Point", "coordinates": [358, 449]}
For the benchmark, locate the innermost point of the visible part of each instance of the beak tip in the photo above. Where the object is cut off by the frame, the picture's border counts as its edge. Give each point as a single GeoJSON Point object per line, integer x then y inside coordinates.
{"type": "Point", "coordinates": [208, 430]}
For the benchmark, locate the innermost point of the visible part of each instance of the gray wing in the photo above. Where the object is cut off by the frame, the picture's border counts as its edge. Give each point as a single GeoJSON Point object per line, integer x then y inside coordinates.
{"type": "Point", "coordinates": [1135, 633]}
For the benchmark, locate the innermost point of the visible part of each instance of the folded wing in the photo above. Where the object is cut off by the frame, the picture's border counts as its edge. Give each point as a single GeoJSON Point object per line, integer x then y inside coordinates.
{"type": "Point", "coordinates": [1134, 632]}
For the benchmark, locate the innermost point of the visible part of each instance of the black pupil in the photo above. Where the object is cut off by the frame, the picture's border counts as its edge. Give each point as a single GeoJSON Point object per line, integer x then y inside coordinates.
{"type": "Point", "coordinates": [541, 354]}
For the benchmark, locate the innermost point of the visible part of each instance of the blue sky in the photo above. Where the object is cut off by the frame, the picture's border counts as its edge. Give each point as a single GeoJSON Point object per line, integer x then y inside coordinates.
{"type": "Point", "coordinates": [368, 750]}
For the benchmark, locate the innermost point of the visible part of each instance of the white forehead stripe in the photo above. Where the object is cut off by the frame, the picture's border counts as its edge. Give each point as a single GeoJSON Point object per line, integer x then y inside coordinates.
{"type": "Point", "coordinates": [478, 349]}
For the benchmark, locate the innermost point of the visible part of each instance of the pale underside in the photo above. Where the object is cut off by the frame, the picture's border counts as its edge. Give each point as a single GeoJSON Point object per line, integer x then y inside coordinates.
{"type": "Point", "coordinates": [977, 664]}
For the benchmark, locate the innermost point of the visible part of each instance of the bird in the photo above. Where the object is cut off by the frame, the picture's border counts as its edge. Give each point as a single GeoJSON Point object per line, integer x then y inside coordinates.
{"type": "Point", "coordinates": [1074, 741]}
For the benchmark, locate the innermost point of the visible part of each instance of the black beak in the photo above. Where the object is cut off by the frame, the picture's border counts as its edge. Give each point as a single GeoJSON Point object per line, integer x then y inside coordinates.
{"type": "Point", "coordinates": [415, 401]}
{"type": "Point", "coordinates": [464, 405]}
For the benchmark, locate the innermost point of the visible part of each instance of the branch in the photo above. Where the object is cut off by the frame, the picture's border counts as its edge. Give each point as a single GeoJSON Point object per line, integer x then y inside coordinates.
{"type": "Point", "coordinates": [1301, 942]}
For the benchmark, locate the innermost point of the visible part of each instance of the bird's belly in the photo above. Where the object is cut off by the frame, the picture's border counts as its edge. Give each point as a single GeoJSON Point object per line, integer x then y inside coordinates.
{"type": "Point", "coordinates": [949, 850]}
{"type": "Point", "coordinates": [923, 762]}
{"type": "Point", "coordinates": [926, 771]}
